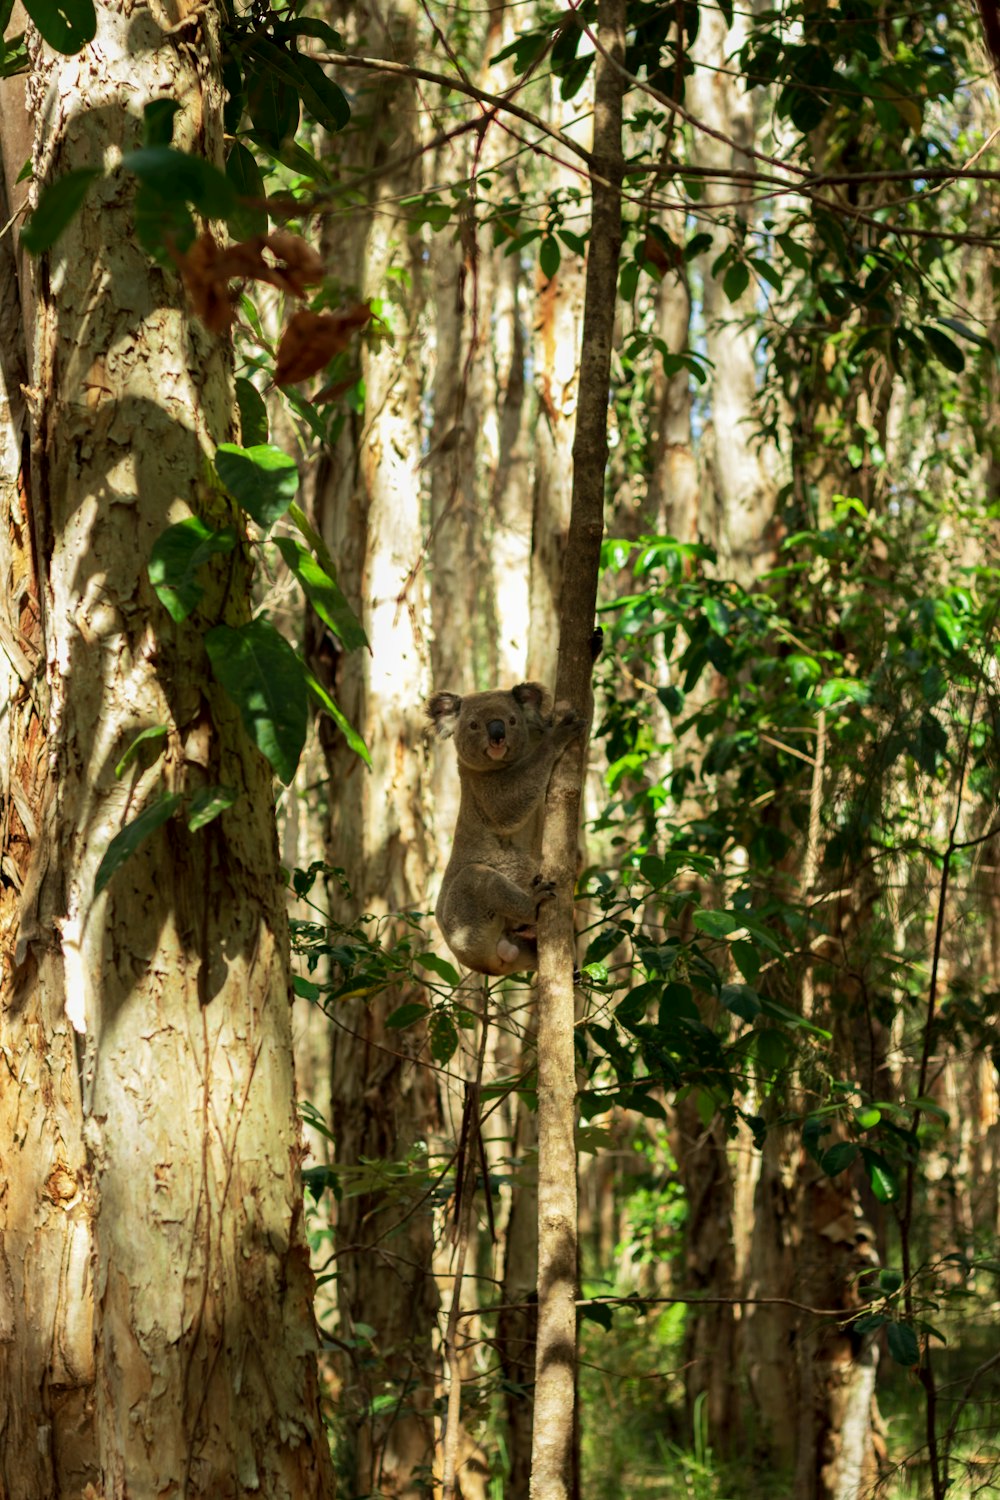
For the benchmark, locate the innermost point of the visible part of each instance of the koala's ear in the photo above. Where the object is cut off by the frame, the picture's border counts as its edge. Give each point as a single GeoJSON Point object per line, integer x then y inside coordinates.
{"type": "Point", "coordinates": [443, 709]}
{"type": "Point", "coordinates": [529, 695]}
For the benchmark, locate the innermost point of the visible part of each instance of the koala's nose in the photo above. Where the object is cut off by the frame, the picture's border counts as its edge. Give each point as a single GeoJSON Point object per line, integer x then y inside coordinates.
{"type": "Point", "coordinates": [497, 731]}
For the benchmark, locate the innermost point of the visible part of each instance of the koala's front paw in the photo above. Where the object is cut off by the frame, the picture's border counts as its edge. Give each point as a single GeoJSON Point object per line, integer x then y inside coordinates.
{"type": "Point", "coordinates": [568, 722]}
{"type": "Point", "coordinates": [542, 889]}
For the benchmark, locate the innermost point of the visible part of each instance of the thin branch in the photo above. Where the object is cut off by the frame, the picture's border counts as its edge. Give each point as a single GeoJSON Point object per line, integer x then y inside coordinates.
{"type": "Point", "coordinates": [463, 1216]}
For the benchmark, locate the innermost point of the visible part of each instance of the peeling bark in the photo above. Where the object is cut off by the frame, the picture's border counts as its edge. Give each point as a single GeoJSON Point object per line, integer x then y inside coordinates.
{"type": "Point", "coordinates": [179, 1199]}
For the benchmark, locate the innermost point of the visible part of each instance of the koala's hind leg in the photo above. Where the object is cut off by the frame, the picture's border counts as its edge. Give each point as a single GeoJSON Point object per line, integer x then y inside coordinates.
{"type": "Point", "coordinates": [517, 952]}
{"type": "Point", "coordinates": [481, 892]}
{"type": "Point", "coordinates": [480, 912]}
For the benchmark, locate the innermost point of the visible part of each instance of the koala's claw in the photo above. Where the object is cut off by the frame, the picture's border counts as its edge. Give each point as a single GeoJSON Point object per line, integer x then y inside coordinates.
{"type": "Point", "coordinates": [569, 720]}
{"type": "Point", "coordinates": [543, 888]}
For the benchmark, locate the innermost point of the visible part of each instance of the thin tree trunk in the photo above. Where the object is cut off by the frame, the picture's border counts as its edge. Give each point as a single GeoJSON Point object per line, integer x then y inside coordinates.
{"type": "Point", "coordinates": [552, 1474]}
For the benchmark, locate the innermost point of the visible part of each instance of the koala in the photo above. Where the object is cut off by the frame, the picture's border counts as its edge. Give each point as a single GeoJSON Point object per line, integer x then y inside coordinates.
{"type": "Point", "coordinates": [507, 744]}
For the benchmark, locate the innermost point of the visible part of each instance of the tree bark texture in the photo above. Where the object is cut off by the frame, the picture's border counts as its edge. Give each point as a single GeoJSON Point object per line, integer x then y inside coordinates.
{"type": "Point", "coordinates": [168, 1164]}
{"type": "Point", "coordinates": [734, 484]}
{"type": "Point", "coordinates": [385, 1102]}
{"type": "Point", "coordinates": [559, 343]}
{"type": "Point", "coordinates": [552, 1453]}
{"type": "Point", "coordinates": [46, 1427]}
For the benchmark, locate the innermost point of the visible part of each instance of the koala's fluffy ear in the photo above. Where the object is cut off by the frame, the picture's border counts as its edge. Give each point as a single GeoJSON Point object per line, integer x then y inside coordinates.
{"type": "Point", "coordinates": [443, 710]}
{"type": "Point", "coordinates": [530, 695]}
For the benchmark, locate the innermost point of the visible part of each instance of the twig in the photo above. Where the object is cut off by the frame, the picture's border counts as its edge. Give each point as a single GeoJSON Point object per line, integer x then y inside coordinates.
{"type": "Point", "coordinates": [466, 1190]}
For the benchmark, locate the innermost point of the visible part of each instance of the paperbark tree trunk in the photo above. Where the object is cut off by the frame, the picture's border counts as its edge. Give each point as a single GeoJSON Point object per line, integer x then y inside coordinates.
{"type": "Point", "coordinates": [737, 497]}
{"type": "Point", "coordinates": [385, 1101]}
{"type": "Point", "coordinates": [151, 1148]}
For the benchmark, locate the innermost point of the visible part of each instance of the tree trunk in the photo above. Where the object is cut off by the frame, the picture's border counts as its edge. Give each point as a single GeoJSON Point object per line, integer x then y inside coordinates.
{"type": "Point", "coordinates": [553, 1468]}
{"type": "Point", "coordinates": [181, 1192]}
{"type": "Point", "coordinates": [385, 1103]}
{"type": "Point", "coordinates": [46, 1357]}
{"type": "Point", "coordinates": [737, 499]}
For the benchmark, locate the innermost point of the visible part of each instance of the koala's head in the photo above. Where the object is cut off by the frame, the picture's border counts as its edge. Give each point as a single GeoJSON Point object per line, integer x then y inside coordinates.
{"type": "Point", "coordinates": [491, 729]}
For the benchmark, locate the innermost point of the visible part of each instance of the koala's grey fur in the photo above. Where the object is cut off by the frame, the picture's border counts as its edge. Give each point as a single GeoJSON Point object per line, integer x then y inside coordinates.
{"type": "Point", "coordinates": [507, 744]}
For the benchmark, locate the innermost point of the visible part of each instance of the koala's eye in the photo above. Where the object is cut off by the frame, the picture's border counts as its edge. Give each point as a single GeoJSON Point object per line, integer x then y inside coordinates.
{"type": "Point", "coordinates": [473, 723]}
{"type": "Point", "coordinates": [512, 720]}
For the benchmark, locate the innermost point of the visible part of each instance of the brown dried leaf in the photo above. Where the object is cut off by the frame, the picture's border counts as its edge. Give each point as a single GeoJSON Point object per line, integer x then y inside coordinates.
{"type": "Point", "coordinates": [312, 339]}
{"type": "Point", "coordinates": [207, 270]}
{"type": "Point", "coordinates": [207, 283]}
{"type": "Point", "coordinates": [658, 255]}
{"type": "Point", "coordinates": [301, 266]}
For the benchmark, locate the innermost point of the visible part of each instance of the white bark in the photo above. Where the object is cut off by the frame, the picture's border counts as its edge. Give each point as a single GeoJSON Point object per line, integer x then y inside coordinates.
{"type": "Point", "coordinates": [175, 978]}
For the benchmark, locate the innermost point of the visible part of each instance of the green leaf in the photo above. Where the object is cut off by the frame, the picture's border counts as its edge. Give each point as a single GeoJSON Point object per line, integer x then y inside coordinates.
{"type": "Point", "coordinates": [154, 732]}
{"type": "Point", "coordinates": [207, 804]}
{"type": "Point", "coordinates": [596, 1312]}
{"type": "Point", "coordinates": [263, 479]}
{"type": "Point", "coordinates": [158, 122]}
{"type": "Point", "coordinates": [717, 615]}
{"type": "Point", "coordinates": [253, 413]}
{"type": "Point", "coordinates": [125, 843]}
{"type": "Point", "coordinates": [324, 593]}
{"type": "Point", "coordinates": [867, 1117]}
{"type": "Point", "coordinates": [944, 348]}
{"type": "Point", "coordinates": [628, 280]}
{"type": "Point", "coordinates": [772, 1051]}
{"type": "Point", "coordinates": [931, 1107]}
{"type": "Point", "coordinates": [843, 690]}
{"type": "Point", "coordinates": [741, 1000]}
{"type": "Point", "coordinates": [644, 1104]}
{"type": "Point", "coordinates": [273, 105]}
{"type": "Point", "coordinates": [717, 924]}
{"type": "Point", "coordinates": [797, 254]}
{"type": "Point", "coordinates": [890, 1281]}
{"type": "Point", "coordinates": [309, 26]}
{"type": "Point", "coordinates": [305, 988]}
{"type": "Point", "coordinates": [602, 944]}
{"type": "Point", "coordinates": [870, 1324]}
{"type": "Point", "coordinates": [267, 682]}
{"type": "Point", "coordinates": [406, 1015]}
{"type": "Point", "coordinates": [438, 966]}
{"type": "Point", "coordinates": [14, 59]}
{"type": "Point", "coordinates": [697, 245]}
{"type": "Point", "coordinates": [791, 1018]}
{"type": "Point", "coordinates": [56, 207]}
{"type": "Point", "coordinates": [736, 281]}
{"type": "Point", "coordinates": [177, 554]}
{"type": "Point", "coordinates": [67, 25]}
{"type": "Point", "coordinates": [548, 256]}
{"type": "Point", "coordinates": [349, 629]}
{"type": "Point", "coordinates": [903, 1345]}
{"type": "Point", "coordinates": [746, 959]}
{"type": "Point", "coordinates": [246, 218]}
{"type": "Point", "coordinates": [177, 178]}
{"type": "Point", "coordinates": [345, 726]}
{"type": "Point", "coordinates": [767, 272]}
{"type": "Point", "coordinates": [838, 1158]}
{"type": "Point", "coordinates": [324, 100]}
{"type": "Point", "coordinates": [966, 332]}
{"type": "Point", "coordinates": [881, 1176]}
